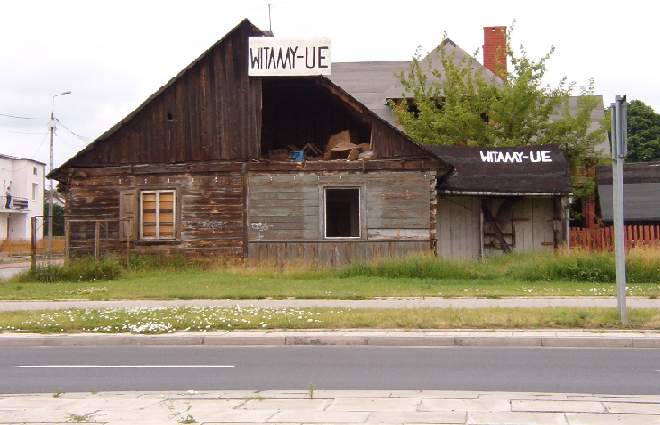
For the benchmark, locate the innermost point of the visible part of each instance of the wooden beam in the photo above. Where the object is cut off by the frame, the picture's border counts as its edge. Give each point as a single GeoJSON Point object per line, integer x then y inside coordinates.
{"type": "Point", "coordinates": [499, 235]}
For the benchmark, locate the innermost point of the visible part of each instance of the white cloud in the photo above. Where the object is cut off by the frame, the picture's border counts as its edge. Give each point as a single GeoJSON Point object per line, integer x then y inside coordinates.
{"type": "Point", "coordinates": [112, 55]}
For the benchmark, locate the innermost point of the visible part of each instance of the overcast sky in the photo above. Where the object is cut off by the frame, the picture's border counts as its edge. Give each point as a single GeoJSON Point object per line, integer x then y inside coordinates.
{"type": "Point", "coordinates": [113, 54]}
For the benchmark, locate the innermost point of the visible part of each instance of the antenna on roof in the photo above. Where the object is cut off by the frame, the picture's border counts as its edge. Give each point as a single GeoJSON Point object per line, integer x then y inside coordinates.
{"type": "Point", "coordinates": [270, 24]}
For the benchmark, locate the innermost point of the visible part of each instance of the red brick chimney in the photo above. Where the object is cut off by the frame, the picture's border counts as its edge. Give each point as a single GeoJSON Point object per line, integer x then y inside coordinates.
{"type": "Point", "coordinates": [495, 50]}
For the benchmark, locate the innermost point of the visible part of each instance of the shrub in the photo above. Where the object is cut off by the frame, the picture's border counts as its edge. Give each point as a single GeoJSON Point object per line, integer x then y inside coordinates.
{"type": "Point", "coordinates": [76, 270]}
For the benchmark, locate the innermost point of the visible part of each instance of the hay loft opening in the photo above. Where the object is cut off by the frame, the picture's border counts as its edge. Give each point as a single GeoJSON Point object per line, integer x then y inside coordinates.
{"type": "Point", "coordinates": [301, 115]}
{"type": "Point", "coordinates": [342, 212]}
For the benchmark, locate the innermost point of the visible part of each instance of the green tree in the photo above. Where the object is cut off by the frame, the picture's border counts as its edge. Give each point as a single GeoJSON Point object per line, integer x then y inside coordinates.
{"type": "Point", "coordinates": [459, 102]}
{"type": "Point", "coordinates": [58, 222]}
{"type": "Point", "coordinates": [643, 132]}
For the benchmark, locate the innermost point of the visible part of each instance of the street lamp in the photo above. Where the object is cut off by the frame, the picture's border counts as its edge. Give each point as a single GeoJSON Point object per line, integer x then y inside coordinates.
{"type": "Point", "coordinates": [50, 192]}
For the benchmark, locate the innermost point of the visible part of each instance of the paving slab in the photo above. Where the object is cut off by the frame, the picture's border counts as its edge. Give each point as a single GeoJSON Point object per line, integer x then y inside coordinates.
{"type": "Point", "coordinates": [287, 404]}
{"type": "Point", "coordinates": [515, 418]}
{"type": "Point", "coordinates": [319, 417]}
{"type": "Point", "coordinates": [599, 419]}
{"type": "Point", "coordinates": [417, 418]}
{"type": "Point", "coordinates": [557, 406]}
{"type": "Point", "coordinates": [466, 405]}
{"type": "Point", "coordinates": [383, 404]}
{"type": "Point", "coordinates": [336, 407]}
{"type": "Point", "coordinates": [641, 408]}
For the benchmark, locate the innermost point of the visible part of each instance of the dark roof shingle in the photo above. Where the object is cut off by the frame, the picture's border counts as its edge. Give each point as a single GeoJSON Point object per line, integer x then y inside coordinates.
{"type": "Point", "coordinates": [511, 171]}
{"type": "Point", "coordinates": [641, 192]}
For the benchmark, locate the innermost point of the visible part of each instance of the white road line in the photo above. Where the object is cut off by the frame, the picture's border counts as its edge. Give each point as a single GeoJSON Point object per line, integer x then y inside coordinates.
{"type": "Point", "coordinates": [64, 366]}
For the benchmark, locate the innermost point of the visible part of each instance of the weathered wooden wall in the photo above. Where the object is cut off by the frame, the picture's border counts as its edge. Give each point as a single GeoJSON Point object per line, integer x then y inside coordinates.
{"type": "Point", "coordinates": [458, 226]}
{"type": "Point", "coordinates": [527, 224]}
{"type": "Point", "coordinates": [286, 215]}
{"type": "Point", "coordinates": [210, 210]}
{"type": "Point", "coordinates": [211, 110]}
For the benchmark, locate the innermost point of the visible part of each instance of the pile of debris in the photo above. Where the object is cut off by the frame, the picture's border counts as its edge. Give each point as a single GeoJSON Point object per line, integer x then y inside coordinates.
{"type": "Point", "coordinates": [339, 147]}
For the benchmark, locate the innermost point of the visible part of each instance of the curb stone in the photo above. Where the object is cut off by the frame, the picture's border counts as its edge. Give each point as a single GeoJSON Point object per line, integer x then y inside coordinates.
{"type": "Point", "coordinates": [330, 338]}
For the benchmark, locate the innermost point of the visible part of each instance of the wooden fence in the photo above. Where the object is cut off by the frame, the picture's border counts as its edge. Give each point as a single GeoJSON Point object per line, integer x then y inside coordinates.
{"type": "Point", "coordinates": [602, 238]}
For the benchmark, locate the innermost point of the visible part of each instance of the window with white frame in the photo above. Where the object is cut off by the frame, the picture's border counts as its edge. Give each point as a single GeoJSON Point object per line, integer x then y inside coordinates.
{"type": "Point", "coordinates": [342, 212]}
{"type": "Point", "coordinates": [157, 214]}
{"type": "Point", "coordinates": [35, 191]}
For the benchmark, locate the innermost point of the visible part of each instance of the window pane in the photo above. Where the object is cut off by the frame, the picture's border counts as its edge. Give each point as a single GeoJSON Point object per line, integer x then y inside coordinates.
{"type": "Point", "coordinates": [149, 230]}
{"type": "Point", "coordinates": [166, 231]}
{"type": "Point", "coordinates": [158, 215]}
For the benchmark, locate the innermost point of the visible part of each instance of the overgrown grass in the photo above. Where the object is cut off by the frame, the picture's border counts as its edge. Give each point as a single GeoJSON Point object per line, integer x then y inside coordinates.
{"type": "Point", "coordinates": [643, 266]}
{"type": "Point", "coordinates": [536, 274]}
{"type": "Point", "coordinates": [163, 320]}
{"type": "Point", "coordinates": [79, 270]}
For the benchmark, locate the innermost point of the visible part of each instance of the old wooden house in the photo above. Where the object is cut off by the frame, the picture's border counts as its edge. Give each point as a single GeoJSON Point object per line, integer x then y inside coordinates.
{"type": "Point", "coordinates": [219, 163]}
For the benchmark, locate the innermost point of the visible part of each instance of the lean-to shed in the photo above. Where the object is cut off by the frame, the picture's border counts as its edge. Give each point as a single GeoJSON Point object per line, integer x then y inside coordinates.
{"type": "Point", "coordinates": [501, 200]}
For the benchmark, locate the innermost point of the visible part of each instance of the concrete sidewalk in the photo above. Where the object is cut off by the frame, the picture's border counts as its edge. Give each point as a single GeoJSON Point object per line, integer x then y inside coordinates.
{"type": "Point", "coordinates": [384, 338]}
{"type": "Point", "coordinates": [406, 302]}
{"type": "Point", "coordinates": [336, 407]}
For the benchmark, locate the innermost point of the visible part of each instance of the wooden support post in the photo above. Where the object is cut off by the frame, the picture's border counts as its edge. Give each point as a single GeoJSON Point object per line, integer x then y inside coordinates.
{"type": "Point", "coordinates": [97, 239]}
{"type": "Point", "coordinates": [33, 244]}
{"type": "Point", "coordinates": [67, 235]}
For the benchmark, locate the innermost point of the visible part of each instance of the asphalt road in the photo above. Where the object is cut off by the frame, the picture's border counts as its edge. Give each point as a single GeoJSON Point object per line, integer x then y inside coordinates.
{"type": "Point", "coordinates": [615, 371]}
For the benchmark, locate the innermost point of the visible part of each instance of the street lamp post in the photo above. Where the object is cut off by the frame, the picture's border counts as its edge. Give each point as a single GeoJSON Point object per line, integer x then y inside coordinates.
{"type": "Point", "coordinates": [50, 191]}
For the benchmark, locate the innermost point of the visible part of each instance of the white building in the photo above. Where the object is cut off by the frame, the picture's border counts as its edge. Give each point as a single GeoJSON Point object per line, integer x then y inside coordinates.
{"type": "Point", "coordinates": [23, 179]}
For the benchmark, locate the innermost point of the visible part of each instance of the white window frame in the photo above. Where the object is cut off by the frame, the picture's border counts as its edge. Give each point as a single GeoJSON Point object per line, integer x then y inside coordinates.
{"type": "Point", "coordinates": [158, 192]}
{"type": "Point", "coordinates": [35, 191]}
{"type": "Point", "coordinates": [325, 212]}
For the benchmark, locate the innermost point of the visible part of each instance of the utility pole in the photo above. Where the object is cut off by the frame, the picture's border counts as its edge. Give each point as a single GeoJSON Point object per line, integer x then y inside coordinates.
{"type": "Point", "coordinates": [50, 191]}
{"type": "Point", "coordinates": [619, 150]}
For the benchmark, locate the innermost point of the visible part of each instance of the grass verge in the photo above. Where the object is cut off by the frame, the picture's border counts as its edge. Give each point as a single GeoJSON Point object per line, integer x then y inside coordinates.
{"type": "Point", "coordinates": [164, 320]}
{"type": "Point", "coordinates": [573, 273]}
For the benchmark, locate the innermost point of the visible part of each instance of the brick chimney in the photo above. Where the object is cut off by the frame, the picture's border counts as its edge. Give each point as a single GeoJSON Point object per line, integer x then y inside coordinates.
{"type": "Point", "coordinates": [495, 50]}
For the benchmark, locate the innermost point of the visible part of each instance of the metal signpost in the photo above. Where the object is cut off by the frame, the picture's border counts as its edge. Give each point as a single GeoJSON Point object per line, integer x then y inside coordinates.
{"type": "Point", "coordinates": [619, 150]}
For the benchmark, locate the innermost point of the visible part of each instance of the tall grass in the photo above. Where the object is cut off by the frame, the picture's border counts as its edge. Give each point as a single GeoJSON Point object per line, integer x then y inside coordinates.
{"type": "Point", "coordinates": [643, 266]}
{"type": "Point", "coordinates": [78, 270]}
{"type": "Point", "coordinates": [423, 267]}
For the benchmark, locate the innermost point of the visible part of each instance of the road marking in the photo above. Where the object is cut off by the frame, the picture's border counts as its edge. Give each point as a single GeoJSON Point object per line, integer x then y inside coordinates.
{"type": "Point", "coordinates": [65, 366]}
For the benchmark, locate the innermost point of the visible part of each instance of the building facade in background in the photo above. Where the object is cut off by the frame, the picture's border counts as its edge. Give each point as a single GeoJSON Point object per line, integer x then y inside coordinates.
{"type": "Point", "coordinates": [21, 197]}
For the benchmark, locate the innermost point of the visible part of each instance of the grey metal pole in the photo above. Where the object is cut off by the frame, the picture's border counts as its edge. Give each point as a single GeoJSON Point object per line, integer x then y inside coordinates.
{"type": "Point", "coordinates": [619, 131]}
{"type": "Point", "coordinates": [50, 191]}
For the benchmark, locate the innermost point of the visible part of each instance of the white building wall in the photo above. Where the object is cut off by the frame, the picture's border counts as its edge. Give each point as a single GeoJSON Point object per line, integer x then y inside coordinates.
{"type": "Point", "coordinates": [25, 179]}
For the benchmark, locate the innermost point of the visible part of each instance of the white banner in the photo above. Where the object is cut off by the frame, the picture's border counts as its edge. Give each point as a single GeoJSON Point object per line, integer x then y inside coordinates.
{"type": "Point", "coordinates": [275, 57]}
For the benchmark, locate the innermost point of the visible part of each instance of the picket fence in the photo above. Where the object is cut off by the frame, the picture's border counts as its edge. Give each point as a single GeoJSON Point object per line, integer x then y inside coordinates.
{"type": "Point", "coordinates": [602, 238]}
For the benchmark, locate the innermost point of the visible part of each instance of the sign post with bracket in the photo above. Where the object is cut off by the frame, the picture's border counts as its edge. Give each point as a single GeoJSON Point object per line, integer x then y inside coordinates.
{"type": "Point", "coordinates": [619, 142]}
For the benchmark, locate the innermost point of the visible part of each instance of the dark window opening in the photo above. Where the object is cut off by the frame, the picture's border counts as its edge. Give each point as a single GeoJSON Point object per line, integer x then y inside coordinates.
{"type": "Point", "coordinates": [170, 117]}
{"type": "Point", "coordinates": [342, 212]}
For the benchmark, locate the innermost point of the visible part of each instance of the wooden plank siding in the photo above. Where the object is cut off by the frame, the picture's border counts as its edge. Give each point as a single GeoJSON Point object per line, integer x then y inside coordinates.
{"type": "Point", "coordinates": [458, 226]}
{"type": "Point", "coordinates": [209, 213]}
{"type": "Point", "coordinates": [214, 113]}
{"type": "Point", "coordinates": [528, 224]}
{"type": "Point", "coordinates": [286, 220]}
